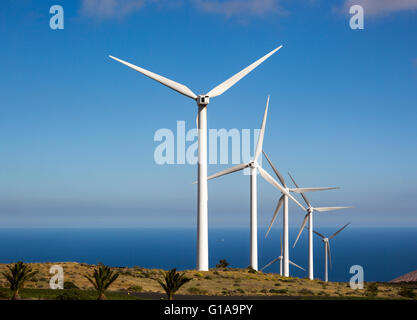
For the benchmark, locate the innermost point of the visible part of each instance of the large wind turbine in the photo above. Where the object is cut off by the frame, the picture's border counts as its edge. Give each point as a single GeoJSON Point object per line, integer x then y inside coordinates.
{"type": "Point", "coordinates": [202, 102]}
{"type": "Point", "coordinates": [327, 252]}
{"type": "Point", "coordinates": [280, 262]}
{"type": "Point", "coordinates": [284, 201]}
{"type": "Point", "coordinates": [309, 216]}
{"type": "Point", "coordinates": [254, 165]}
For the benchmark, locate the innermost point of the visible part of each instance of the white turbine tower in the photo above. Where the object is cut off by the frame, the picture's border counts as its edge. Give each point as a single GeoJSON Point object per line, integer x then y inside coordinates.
{"type": "Point", "coordinates": [202, 102]}
{"type": "Point", "coordinates": [280, 262]}
{"type": "Point", "coordinates": [309, 216]}
{"type": "Point", "coordinates": [254, 165]}
{"type": "Point", "coordinates": [327, 252]}
{"type": "Point", "coordinates": [283, 200]}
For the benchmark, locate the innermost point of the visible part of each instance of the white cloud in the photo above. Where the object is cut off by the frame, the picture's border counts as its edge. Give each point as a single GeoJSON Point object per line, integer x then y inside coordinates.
{"type": "Point", "coordinates": [109, 9]}
{"type": "Point", "coordinates": [383, 7]}
{"type": "Point", "coordinates": [240, 8]}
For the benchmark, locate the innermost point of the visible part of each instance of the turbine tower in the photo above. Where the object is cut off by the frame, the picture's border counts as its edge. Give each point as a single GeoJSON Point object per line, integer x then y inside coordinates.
{"type": "Point", "coordinates": [309, 216]}
{"type": "Point", "coordinates": [280, 262]}
{"type": "Point", "coordinates": [202, 102]}
{"type": "Point", "coordinates": [283, 200]}
{"type": "Point", "coordinates": [254, 166]}
{"type": "Point", "coordinates": [327, 252]}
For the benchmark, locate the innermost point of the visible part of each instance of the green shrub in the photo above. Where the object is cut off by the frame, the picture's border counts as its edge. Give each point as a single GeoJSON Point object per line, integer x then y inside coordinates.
{"type": "Point", "coordinates": [279, 291]}
{"type": "Point", "coordinates": [251, 270]}
{"type": "Point", "coordinates": [70, 285]}
{"type": "Point", "coordinates": [240, 290]}
{"type": "Point", "coordinates": [306, 292]}
{"type": "Point", "coordinates": [72, 294]}
{"type": "Point", "coordinates": [371, 290]}
{"type": "Point", "coordinates": [135, 288]}
{"type": "Point", "coordinates": [199, 274]}
{"type": "Point", "coordinates": [407, 293]}
{"type": "Point", "coordinates": [222, 264]}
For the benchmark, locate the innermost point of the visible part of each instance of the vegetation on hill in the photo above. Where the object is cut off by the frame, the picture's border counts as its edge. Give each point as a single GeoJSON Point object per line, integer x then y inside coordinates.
{"type": "Point", "coordinates": [137, 281]}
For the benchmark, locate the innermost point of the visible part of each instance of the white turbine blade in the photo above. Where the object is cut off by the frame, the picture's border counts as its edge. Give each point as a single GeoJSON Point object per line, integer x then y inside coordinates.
{"type": "Point", "coordinates": [296, 265]}
{"type": "Point", "coordinates": [340, 230]}
{"type": "Point", "coordinates": [302, 194]}
{"type": "Point", "coordinates": [272, 181]}
{"type": "Point", "coordinates": [279, 176]}
{"type": "Point", "coordinates": [323, 209]}
{"type": "Point", "coordinates": [280, 202]}
{"type": "Point", "coordinates": [221, 88]}
{"type": "Point", "coordinates": [301, 190]}
{"type": "Point", "coordinates": [319, 234]}
{"type": "Point", "coordinates": [301, 229]}
{"type": "Point", "coordinates": [227, 171]}
{"type": "Point", "coordinates": [165, 81]}
{"type": "Point", "coordinates": [262, 133]}
{"type": "Point", "coordinates": [267, 265]}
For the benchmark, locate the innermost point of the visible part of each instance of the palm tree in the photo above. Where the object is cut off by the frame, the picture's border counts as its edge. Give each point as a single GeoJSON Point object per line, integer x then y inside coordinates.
{"type": "Point", "coordinates": [102, 278]}
{"type": "Point", "coordinates": [17, 275]}
{"type": "Point", "coordinates": [172, 281]}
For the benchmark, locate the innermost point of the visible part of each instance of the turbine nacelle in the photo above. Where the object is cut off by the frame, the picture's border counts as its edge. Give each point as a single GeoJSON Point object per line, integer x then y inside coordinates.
{"type": "Point", "coordinates": [253, 164]}
{"type": "Point", "coordinates": [203, 100]}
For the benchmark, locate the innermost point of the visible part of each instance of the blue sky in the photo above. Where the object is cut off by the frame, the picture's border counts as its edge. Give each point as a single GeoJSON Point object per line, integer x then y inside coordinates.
{"type": "Point", "coordinates": [77, 128]}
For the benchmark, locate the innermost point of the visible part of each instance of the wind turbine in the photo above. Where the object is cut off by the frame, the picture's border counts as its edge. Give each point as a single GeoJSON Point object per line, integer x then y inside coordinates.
{"type": "Point", "coordinates": [254, 165]}
{"type": "Point", "coordinates": [309, 216]}
{"type": "Point", "coordinates": [283, 200]}
{"type": "Point", "coordinates": [202, 102]}
{"type": "Point", "coordinates": [280, 262]}
{"type": "Point", "coordinates": [327, 253]}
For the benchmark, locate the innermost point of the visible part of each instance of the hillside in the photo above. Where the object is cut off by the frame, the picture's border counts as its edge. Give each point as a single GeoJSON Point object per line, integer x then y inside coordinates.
{"type": "Point", "coordinates": [408, 277]}
{"type": "Point", "coordinates": [216, 282]}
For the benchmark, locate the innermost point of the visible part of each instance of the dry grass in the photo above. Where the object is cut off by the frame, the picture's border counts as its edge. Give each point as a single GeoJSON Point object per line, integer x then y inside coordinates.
{"type": "Point", "coordinates": [214, 282]}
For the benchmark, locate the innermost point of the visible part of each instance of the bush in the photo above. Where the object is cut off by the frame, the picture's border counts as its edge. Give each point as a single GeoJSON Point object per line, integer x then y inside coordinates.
{"type": "Point", "coordinates": [371, 290]}
{"type": "Point", "coordinates": [222, 264]}
{"type": "Point", "coordinates": [240, 290]}
{"type": "Point", "coordinates": [251, 270]}
{"type": "Point", "coordinates": [199, 274]}
{"type": "Point", "coordinates": [70, 285]}
{"type": "Point", "coordinates": [306, 292]}
{"type": "Point", "coordinates": [407, 293]}
{"type": "Point", "coordinates": [72, 294]}
{"type": "Point", "coordinates": [135, 288]}
{"type": "Point", "coordinates": [279, 291]}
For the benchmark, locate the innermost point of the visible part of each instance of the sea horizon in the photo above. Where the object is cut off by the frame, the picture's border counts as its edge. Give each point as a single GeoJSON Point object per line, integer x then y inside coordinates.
{"type": "Point", "coordinates": [384, 253]}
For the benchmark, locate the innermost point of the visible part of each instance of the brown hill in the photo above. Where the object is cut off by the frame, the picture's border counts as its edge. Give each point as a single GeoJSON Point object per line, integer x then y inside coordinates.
{"type": "Point", "coordinates": [408, 277]}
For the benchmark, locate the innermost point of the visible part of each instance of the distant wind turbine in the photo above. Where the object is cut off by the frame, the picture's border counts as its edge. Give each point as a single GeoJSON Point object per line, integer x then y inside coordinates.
{"type": "Point", "coordinates": [309, 216]}
{"type": "Point", "coordinates": [280, 258]}
{"type": "Point", "coordinates": [283, 200]}
{"type": "Point", "coordinates": [202, 102]}
{"type": "Point", "coordinates": [327, 252]}
{"type": "Point", "coordinates": [254, 165]}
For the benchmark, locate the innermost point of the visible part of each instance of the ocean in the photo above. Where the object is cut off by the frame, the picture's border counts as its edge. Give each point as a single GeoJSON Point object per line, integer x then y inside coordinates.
{"type": "Point", "coordinates": [384, 253]}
